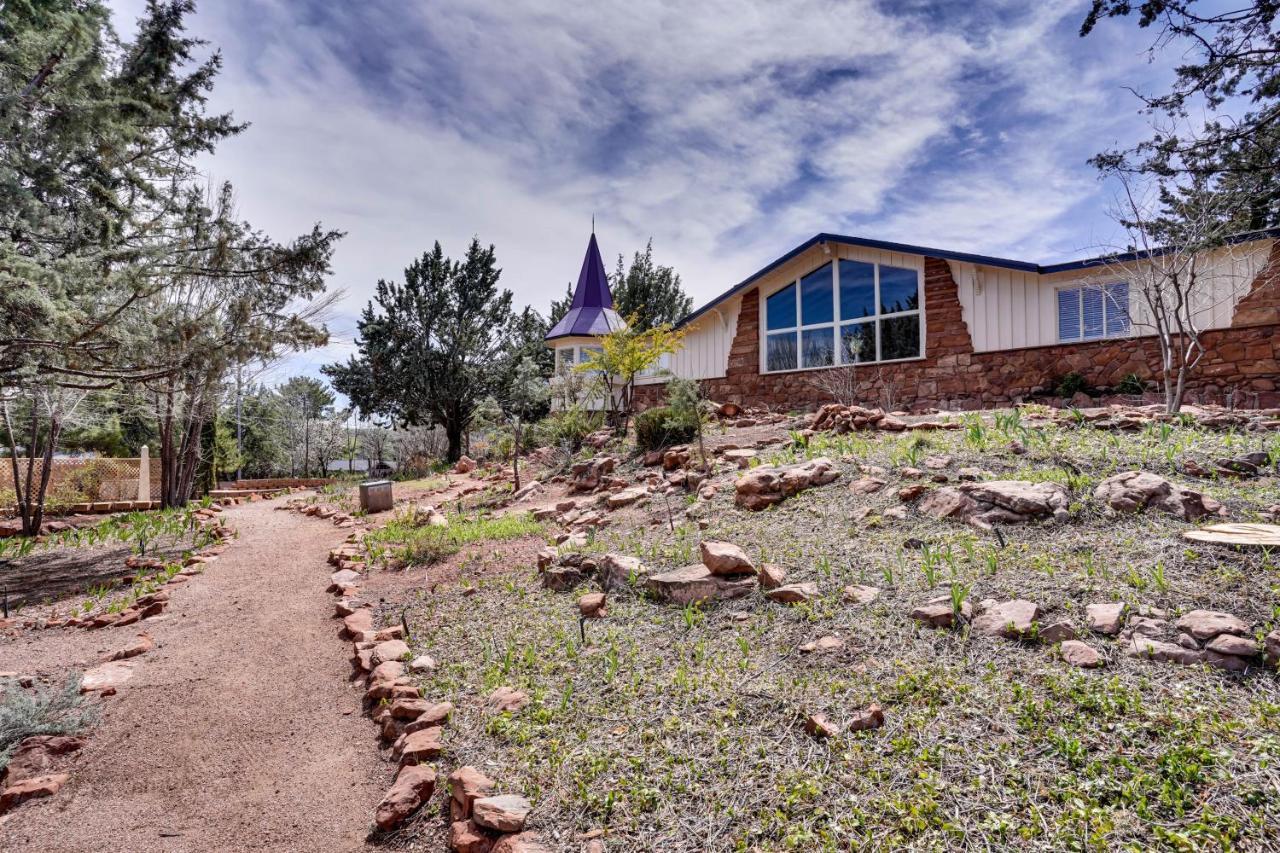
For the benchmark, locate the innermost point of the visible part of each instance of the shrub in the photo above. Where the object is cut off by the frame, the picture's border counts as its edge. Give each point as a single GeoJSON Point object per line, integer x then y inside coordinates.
{"type": "Point", "coordinates": [47, 711]}
{"type": "Point", "coordinates": [1070, 385]}
{"type": "Point", "coordinates": [659, 427]}
{"type": "Point", "coordinates": [569, 427]}
{"type": "Point", "coordinates": [1131, 384]}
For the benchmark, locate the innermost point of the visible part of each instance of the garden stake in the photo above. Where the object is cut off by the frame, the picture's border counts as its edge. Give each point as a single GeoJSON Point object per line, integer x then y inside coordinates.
{"type": "Point", "coordinates": [404, 623]}
{"type": "Point", "coordinates": [999, 535]}
{"type": "Point", "coordinates": [582, 628]}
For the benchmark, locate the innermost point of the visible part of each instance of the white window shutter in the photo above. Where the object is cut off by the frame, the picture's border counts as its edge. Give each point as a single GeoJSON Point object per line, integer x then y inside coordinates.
{"type": "Point", "coordinates": [1069, 314]}
{"type": "Point", "coordinates": [1092, 312]}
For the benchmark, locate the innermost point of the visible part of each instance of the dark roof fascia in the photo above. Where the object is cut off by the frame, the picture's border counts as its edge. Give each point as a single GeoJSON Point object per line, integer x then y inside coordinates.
{"type": "Point", "coordinates": [946, 254]}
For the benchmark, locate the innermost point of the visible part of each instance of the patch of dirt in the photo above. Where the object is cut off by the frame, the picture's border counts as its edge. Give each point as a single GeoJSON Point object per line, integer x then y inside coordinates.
{"type": "Point", "coordinates": [239, 731]}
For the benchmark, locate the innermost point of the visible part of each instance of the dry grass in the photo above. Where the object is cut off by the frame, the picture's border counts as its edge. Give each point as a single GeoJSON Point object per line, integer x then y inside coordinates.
{"type": "Point", "coordinates": [678, 730]}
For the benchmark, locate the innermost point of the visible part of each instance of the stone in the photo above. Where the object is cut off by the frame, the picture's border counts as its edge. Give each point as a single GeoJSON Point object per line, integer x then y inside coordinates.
{"type": "Point", "coordinates": [409, 708]}
{"type": "Point", "coordinates": [1230, 644]}
{"type": "Point", "coordinates": [984, 504]}
{"type": "Point", "coordinates": [1145, 647]}
{"type": "Point", "coordinates": [767, 485]}
{"type": "Point", "coordinates": [391, 650]}
{"type": "Point", "coordinates": [1133, 491]}
{"type": "Point", "coordinates": [615, 571]}
{"type": "Point", "coordinates": [1203, 624]}
{"type": "Point", "coordinates": [697, 583]}
{"type": "Point", "coordinates": [1271, 645]}
{"type": "Point", "coordinates": [435, 715]}
{"type": "Point", "coordinates": [464, 465]}
{"type": "Point", "coordinates": [860, 594]}
{"type": "Point", "coordinates": [34, 756]}
{"type": "Point", "coordinates": [106, 678]}
{"type": "Point", "coordinates": [524, 842]}
{"type": "Point", "coordinates": [871, 718]}
{"type": "Point", "coordinates": [140, 646]}
{"type": "Point", "coordinates": [343, 578]}
{"type": "Point", "coordinates": [586, 476]}
{"type": "Point", "coordinates": [1230, 663]}
{"type": "Point", "coordinates": [1080, 654]}
{"type": "Point", "coordinates": [546, 557]}
{"type": "Point", "coordinates": [507, 699]}
{"type": "Point", "coordinates": [794, 593]}
{"type": "Point", "coordinates": [939, 612]}
{"type": "Point", "coordinates": [1237, 535]}
{"type": "Point", "coordinates": [626, 497]}
{"type": "Point", "coordinates": [772, 576]}
{"type": "Point", "coordinates": [897, 513]}
{"type": "Point", "coordinates": [913, 493]}
{"type": "Point", "coordinates": [829, 643]}
{"type": "Point", "coordinates": [420, 746]}
{"type": "Point", "coordinates": [937, 463]}
{"type": "Point", "coordinates": [413, 786]}
{"type": "Point", "coordinates": [1012, 619]}
{"type": "Point", "coordinates": [502, 813]}
{"type": "Point", "coordinates": [562, 578]}
{"type": "Point", "coordinates": [422, 663]}
{"type": "Point", "coordinates": [466, 785]}
{"type": "Point", "coordinates": [466, 837]}
{"type": "Point", "coordinates": [866, 485]}
{"type": "Point", "coordinates": [357, 624]}
{"type": "Point", "coordinates": [592, 605]}
{"type": "Point", "coordinates": [1057, 632]}
{"type": "Point", "coordinates": [725, 558]}
{"type": "Point", "coordinates": [1106, 617]}
{"type": "Point", "coordinates": [820, 727]}
{"type": "Point", "coordinates": [26, 789]}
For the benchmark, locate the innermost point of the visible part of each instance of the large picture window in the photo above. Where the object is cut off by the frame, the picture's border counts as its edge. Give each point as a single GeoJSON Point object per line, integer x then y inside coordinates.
{"type": "Point", "coordinates": [1091, 312]}
{"type": "Point", "coordinates": [844, 312]}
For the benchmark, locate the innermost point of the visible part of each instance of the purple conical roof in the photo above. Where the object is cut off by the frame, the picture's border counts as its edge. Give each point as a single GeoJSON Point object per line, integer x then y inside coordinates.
{"type": "Point", "coordinates": [591, 311]}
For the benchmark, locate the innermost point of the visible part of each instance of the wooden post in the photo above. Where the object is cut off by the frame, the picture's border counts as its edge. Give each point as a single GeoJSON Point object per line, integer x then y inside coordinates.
{"type": "Point", "coordinates": [144, 475]}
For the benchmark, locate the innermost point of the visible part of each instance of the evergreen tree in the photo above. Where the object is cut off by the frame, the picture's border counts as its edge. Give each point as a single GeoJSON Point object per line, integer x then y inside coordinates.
{"type": "Point", "coordinates": [649, 293]}
{"type": "Point", "coordinates": [433, 348]}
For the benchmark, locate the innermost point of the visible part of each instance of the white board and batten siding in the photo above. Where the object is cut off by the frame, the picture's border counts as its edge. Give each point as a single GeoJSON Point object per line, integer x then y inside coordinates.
{"type": "Point", "coordinates": [1011, 309]}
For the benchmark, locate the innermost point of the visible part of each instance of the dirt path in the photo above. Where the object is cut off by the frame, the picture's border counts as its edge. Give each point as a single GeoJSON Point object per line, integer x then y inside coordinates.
{"type": "Point", "coordinates": [239, 731]}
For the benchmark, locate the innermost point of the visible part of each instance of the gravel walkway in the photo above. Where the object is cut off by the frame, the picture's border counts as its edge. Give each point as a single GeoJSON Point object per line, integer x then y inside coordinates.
{"type": "Point", "coordinates": [239, 731]}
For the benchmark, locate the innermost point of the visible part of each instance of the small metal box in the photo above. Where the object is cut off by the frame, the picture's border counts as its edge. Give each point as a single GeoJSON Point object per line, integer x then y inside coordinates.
{"type": "Point", "coordinates": [375, 495]}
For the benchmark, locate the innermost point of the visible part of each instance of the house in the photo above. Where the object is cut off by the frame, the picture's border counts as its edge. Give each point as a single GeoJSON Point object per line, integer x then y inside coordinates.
{"type": "Point", "coordinates": [919, 327]}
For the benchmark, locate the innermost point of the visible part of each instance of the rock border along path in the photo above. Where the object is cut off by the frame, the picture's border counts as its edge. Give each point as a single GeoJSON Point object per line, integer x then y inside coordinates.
{"type": "Point", "coordinates": [239, 732]}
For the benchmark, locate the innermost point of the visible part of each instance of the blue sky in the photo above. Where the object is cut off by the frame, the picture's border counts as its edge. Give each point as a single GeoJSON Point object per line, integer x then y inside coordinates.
{"type": "Point", "coordinates": [727, 131]}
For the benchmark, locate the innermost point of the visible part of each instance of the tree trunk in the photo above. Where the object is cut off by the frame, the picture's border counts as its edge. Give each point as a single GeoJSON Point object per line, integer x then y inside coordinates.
{"type": "Point", "coordinates": [515, 457]}
{"type": "Point", "coordinates": [306, 446]}
{"type": "Point", "coordinates": [46, 471]}
{"type": "Point", "coordinates": [453, 432]}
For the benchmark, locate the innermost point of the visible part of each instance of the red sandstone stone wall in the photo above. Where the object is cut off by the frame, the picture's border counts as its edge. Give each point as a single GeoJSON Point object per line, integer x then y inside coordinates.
{"type": "Point", "coordinates": [1243, 360]}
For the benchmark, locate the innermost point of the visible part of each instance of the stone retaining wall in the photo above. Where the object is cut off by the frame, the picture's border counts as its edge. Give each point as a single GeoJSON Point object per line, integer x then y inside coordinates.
{"type": "Point", "coordinates": [1243, 362]}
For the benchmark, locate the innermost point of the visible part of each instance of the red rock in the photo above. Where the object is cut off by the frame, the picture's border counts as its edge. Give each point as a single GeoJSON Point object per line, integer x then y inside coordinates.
{"type": "Point", "coordinates": [466, 785]}
{"type": "Point", "coordinates": [34, 756]}
{"type": "Point", "coordinates": [696, 583]}
{"type": "Point", "coordinates": [525, 842]}
{"type": "Point", "coordinates": [1229, 644]}
{"type": "Point", "coordinates": [420, 746]}
{"type": "Point", "coordinates": [859, 594]}
{"type": "Point", "coordinates": [939, 612]}
{"type": "Point", "coordinates": [1012, 619]}
{"type": "Point", "coordinates": [140, 646]}
{"type": "Point", "coordinates": [866, 485]}
{"type": "Point", "coordinates": [1106, 617]}
{"type": "Point", "coordinates": [502, 813]}
{"type": "Point", "coordinates": [466, 837]}
{"type": "Point", "coordinates": [1145, 647]}
{"type": "Point", "coordinates": [772, 576]}
{"type": "Point", "coordinates": [409, 708]}
{"type": "Point", "coordinates": [355, 625]}
{"type": "Point", "coordinates": [106, 676]}
{"type": "Point", "coordinates": [1080, 654]}
{"type": "Point", "coordinates": [26, 789]}
{"type": "Point", "coordinates": [592, 605]}
{"type": "Point", "coordinates": [829, 643]}
{"type": "Point", "coordinates": [506, 698]}
{"type": "Point", "coordinates": [1203, 624]}
{"type": "Point", "coordinates": [872, 718]}
{"type": "Point", "coordinates": [1057, 632]}
{"type": "Point", "coordinates": [911, 493]}
{"type": "Point", "coordinates": [389, 650]}
{"type": "Point", "coordinates": [413, 786]}
{"type": "Point", "coordinates": [820, 727]}
{"type": "Point", "coordinates": [435, 715]}
{"type": "Point", "coordinates": [794, 593]}
{"type": "Point", "coordinates": [725, 558]}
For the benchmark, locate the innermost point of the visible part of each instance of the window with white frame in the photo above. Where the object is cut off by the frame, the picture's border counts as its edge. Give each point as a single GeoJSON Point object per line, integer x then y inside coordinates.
{"type": "Point", "coordinates": [1090, 312]}
{"type": "Point", "coordinates": [844, 312]}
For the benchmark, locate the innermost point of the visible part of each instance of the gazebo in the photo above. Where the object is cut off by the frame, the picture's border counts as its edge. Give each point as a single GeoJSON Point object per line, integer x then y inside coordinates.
{"type": "Point", "coordinates": [590, 315]}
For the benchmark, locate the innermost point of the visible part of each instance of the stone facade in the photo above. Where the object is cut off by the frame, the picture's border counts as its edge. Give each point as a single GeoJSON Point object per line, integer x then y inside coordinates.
{"type": "Point", "coordinates": [1242, 361]}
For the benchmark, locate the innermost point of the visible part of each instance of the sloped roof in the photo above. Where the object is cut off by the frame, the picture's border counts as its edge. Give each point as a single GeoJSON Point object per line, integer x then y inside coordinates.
{"type": "Point", "coordinates": [591, 311]}
{"type": "Point", "coordinates": [951, 255]}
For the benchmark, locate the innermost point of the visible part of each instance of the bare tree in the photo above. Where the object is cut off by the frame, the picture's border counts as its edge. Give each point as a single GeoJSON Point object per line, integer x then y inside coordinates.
{"type": "Point", "coordinates": [840, 384]}
{"type": "Point", "coordinates": [376, 441]}
{"type": "Point", "coordinates": [1180, 263]}
{"type": "Point", "coordinates": [38, 412]}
